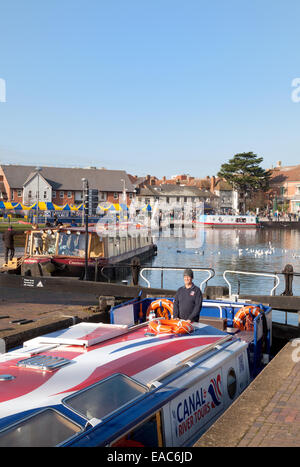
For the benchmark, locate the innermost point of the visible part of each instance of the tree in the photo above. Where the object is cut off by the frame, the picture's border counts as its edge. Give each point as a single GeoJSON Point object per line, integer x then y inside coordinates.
{"type": "Point", "coordinates": [244, 174]}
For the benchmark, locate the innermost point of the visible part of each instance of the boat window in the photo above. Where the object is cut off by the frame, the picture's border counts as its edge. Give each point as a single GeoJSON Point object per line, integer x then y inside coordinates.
{"type": "Point", "coordinates": [105, 397]}
{"type": "Point", "coordinates": [45, 429]}
{"type": "Point", "coordinates": [147, 434]}
{"type": "Point", "coordinates": [37, 243]}
{"type": "Point", "coordinates": [71, 244]}
{"type": "Point", "coordinates": [231, 383]}
{"type": "Point", "coordinates": [49, 242]}
{"type": "Point", "coordinates": [97, 247]}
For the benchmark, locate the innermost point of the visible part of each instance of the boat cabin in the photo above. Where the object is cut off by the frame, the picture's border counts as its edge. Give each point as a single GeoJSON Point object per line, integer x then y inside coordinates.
{"type": "Point", "coordinates": [65, 249]}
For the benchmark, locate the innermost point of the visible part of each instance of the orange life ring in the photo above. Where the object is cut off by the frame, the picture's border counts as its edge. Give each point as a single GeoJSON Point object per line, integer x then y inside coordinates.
{"type": "Point", "coordinates": [162, 307]}
{"type": "Point", "coordinates": [239, 320]}
{"type": "Point", "coordinates": [167, 326]}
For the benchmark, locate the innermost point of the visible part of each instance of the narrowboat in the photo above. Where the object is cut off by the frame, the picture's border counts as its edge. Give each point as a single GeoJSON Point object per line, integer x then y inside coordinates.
{"type": "Point", "coordinates": [122, 385]}
{"type": "Point", "coordinates": [61, 251]}
{"type": "Point", "coordinates": [221, 221]}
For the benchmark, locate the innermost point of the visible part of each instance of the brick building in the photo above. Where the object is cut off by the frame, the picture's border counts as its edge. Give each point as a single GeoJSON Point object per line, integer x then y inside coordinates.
{"type": "Point", "coordinates": [285, 185]}
{"type": "Point", "coordinates": [27, 184]}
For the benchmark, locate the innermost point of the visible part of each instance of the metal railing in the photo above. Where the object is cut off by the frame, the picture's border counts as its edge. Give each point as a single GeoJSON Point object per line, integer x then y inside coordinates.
{"type": "Point", "coordinates": [211, 273]}
{"type": "Point", "coordinates": [273, 275]}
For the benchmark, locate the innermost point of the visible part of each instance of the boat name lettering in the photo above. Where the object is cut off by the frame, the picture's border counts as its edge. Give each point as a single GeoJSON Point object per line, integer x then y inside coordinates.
{"type": "Point", "coordinates": [197, 405]}
{"type": "Point", "coordinates": [185, 408]}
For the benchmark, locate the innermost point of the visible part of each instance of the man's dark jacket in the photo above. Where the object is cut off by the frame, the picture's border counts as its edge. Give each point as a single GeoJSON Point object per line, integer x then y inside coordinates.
{"type": "Point", "coordinates": [188, 303]}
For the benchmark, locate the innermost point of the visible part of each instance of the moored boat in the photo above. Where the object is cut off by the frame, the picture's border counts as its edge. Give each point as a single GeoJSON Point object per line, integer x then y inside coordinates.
{"type": "Point", "coordinates": [220, 220]}
{"type": "Point", "coordinates": [61, 251]}
{"type": "Point", "coordinates": [120, 384]}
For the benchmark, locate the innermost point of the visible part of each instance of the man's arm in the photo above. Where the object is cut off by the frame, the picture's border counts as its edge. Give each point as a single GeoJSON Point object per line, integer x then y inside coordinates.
{"type": "Point", "coordinates": [197, 307]}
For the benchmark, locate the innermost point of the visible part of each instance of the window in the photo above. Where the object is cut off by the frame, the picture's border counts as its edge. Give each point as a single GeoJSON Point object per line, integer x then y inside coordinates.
{"type": "Point", "coordinates": [147, 434]}
{"type": "Point", "coordinates": [53, 194]}
{"type": "Point", "coordinates": [12, 194]}
{"type": "Point", "coordinates": [29, 194]}
{"type": "Point", "coordinates": [116, 195]}
{"type": "Point", "coordinates": [19, 193]}
{"type": "Point", "coordinates": [44, 429]}
{"type": "Point", "coordinates": [61, 194]}
{"type": "Point", "coordinates": [103, 196]}
{"type": "Point", "coordinates": [71, 244]}
{"type": "Point", "coordinates": [231, 383]}
{"type": "Point", "coordinates": [45, 194]}
{"type": "Point", "coordinates": [105, 397]}
{"type": "Point", "coordinates": [69, 194]}
{"type": "Point", "coordinates": [130, 195]}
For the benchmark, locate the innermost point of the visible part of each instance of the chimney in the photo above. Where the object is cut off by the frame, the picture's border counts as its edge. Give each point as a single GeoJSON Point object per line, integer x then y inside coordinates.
{"type": "Point", "coordinates": [212, 183]}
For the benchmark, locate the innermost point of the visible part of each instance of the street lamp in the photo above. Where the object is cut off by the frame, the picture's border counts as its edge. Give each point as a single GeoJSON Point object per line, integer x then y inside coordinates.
{"type": "Point", "coordinates": [38, 170]}
{"type": "Point", "coordinates": [86, 220]}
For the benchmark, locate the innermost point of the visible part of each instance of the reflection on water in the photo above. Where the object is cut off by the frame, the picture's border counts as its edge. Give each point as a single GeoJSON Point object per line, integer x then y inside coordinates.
{"type": "Point", "coordinates": [260, 250]}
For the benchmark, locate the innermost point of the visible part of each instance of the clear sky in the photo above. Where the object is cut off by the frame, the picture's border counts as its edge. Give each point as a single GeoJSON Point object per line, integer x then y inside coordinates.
{"type": "Point", "coordinates": [157, 87]}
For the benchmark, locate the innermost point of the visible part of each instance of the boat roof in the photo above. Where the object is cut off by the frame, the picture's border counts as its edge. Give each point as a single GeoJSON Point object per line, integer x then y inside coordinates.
{"type": "Point", "coordinates": [49, 369]}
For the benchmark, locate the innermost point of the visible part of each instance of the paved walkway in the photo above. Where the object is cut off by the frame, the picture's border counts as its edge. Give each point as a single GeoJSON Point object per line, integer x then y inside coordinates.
{"type": "Point", "coordinates": [268, 411]}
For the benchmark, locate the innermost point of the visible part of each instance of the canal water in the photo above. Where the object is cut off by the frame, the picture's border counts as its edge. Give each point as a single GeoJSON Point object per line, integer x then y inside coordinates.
{"type": "Point", "coordinates": [260, 250]}
{"type": "Point", "coordinates": [257, 250]}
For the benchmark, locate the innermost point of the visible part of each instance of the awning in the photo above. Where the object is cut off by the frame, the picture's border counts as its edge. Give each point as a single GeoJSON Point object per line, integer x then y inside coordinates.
{"type": "Point", "coordinates": [7, 205]}
{"type": "Point", "coordinates": [104, 206]}
{"type": "Point", "coordinates": [115, 208]}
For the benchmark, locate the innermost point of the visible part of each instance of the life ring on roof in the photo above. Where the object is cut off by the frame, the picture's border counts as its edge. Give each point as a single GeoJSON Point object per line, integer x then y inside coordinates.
{"type": "Point", "coordinates": [162, 307]}
{"type": "Point", "coordinates": [244, 315]}
{"type": "Point", "coordinates": [173, 326]}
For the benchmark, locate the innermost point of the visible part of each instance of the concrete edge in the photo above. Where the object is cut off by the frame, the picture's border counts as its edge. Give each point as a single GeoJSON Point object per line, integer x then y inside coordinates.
{"type": "Point", "coordinates": [60, 320]}
{"type": "Point", "coordinates": [235, 422]}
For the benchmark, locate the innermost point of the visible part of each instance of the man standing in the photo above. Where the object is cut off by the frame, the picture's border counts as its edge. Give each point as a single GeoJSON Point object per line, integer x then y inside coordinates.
{"type": "Point", "coordinates": [8, 240]}
{"type": "Point", "coordinates": [188, 299]}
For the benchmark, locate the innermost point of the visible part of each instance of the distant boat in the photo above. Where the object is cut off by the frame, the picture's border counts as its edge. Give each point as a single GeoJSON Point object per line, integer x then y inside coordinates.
{"type": "Point", "coordinates": [218, 220]}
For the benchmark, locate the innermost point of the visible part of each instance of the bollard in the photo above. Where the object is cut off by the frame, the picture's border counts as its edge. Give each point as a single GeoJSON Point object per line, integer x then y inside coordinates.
{"type": "Point", "coordinates": [135, 270]}
{"type": "Point", "coordinates": [288, 272]}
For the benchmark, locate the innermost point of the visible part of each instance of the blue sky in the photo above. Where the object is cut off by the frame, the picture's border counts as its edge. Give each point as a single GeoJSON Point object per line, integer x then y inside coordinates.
{"type": "Point", "coordinates": [157, 87]}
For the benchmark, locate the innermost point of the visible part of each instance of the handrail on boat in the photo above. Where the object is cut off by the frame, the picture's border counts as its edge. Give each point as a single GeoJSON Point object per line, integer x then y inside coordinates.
{"type": "Point", "coordinates": [211, 273]}
{"type": "Point", "coordinates": [187, 360]}
{"type": "Point", "coordinates": [274, 275]}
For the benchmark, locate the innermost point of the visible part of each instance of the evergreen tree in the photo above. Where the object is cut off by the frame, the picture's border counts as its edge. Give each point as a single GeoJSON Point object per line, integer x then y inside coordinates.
{"type": "Point", "coordinates": [244, 173]}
